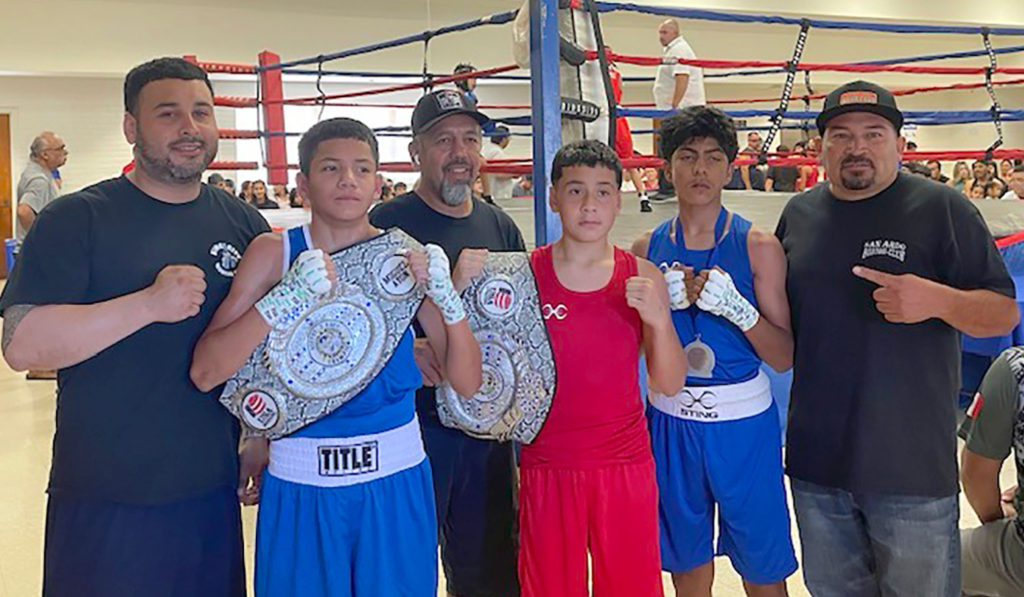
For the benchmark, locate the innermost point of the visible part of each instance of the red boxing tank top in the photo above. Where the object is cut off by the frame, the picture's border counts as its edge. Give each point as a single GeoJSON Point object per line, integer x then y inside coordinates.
{"type": "Point", "coordinates": [597, 414]}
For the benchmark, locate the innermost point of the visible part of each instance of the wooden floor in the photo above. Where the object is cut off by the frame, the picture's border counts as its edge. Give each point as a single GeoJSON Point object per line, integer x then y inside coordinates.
{"type": "Point", "coordinates": [26, 433]}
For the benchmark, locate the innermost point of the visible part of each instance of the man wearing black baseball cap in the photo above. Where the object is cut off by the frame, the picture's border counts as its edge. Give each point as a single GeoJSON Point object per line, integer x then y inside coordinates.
{"type": "Point", "coordinates": [474, 479]}
{"type": "Point", "coordinates": [885, 271]}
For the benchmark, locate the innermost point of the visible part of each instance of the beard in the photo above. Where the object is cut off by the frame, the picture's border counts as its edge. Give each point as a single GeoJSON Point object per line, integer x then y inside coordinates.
{"type": "Point", "coordinates": [857, 182]}
{"type": "Point", "coordinates": [458, 192]}
{"type": "Point", "coordinates": [455, 194]}
{"type": "Point", "coordinates": [164, 170]}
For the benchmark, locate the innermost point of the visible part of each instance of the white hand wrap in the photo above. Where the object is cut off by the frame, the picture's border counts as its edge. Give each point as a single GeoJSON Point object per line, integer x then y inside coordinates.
{"type": "Point", "coordinates": [440, 288]}
{"type": "Point", "coordinates": [677, 298]}
{"type": "Point", "coordinates": [721, 297]}
{"type": "Point", "coordinates": [299, 290]}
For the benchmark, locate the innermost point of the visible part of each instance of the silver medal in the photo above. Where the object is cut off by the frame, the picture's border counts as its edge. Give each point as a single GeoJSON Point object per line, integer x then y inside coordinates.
{"type": "Point", "coordinates": [700, 359]}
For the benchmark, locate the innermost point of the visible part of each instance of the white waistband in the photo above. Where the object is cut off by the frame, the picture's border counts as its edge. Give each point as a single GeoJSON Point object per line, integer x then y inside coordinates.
{"type": "Point", "coordinates": [711, 404]}
{"type": "Point", "coordinates": [343, 461]}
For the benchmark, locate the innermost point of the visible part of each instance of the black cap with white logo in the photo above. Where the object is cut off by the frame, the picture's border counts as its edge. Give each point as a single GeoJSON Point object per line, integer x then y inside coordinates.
{"type": "Point", "coordinates": [860, 96]}
{"type": "Point", "coordinates": [438, 105]}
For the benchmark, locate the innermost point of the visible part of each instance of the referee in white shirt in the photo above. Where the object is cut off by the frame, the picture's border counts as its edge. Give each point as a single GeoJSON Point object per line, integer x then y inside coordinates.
{"type": "Point", "coordinates": [675, 86]}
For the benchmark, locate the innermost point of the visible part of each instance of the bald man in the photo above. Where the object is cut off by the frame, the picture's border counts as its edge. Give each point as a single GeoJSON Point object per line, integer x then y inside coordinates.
{"type": "Point", "coordinates": [37, 187]}
{"type": "Point", "coordinates": [675, 86]}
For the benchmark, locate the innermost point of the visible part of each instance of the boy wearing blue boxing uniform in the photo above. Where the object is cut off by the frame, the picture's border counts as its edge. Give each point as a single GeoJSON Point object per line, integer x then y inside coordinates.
{"type": "Point", "coordinates": [716, 443]}
{"type": "Point", "coordinates": [371, 531]}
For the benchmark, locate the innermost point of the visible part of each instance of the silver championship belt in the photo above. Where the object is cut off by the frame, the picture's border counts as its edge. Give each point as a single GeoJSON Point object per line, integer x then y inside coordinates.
{"type": "Point", "coordinates": [503, 310]}
{"type": "Point", "coordinates": [299, 375]}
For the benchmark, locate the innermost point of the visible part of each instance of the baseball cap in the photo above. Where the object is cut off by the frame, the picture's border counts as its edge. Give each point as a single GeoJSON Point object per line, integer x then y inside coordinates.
{"type": "Point", "coordinates": [438, 105]}
{"type": "Point", "coordinates": [860, 96]}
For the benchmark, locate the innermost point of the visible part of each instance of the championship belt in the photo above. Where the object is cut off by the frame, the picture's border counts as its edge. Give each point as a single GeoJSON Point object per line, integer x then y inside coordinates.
{"type": "Point", "coordinates": [503, 310]}
{"type": "Point", "coordinates": [299, 375]}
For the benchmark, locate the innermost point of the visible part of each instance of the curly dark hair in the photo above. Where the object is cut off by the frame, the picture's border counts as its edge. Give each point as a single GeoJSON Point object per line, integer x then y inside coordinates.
{"type": "Point", "coordinates": [698, 122]}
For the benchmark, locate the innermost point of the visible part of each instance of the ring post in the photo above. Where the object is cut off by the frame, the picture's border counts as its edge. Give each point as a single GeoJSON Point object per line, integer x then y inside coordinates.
{"type": "Point", "coordinates": [547, 114]}
{"type": "Point", "coordinates": [272, 94]}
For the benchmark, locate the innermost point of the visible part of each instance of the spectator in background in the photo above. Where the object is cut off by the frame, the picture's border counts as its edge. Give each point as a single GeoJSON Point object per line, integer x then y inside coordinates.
{"type": "Point", "coordinates": [260, 200]}
{"type": "Point", "coordinates": [808, 172]}
{"type": "Point", "coordinates": [977, 192]}
{"type": "Point", "coordinates": [1005, 170]}
{"type": "Point", "coordinates": [1016, 184]}
{"type": "Point", "coordinates": [983, 172]}
{"type": "Point", "coordinates": [281, 194]}
{"type": "Point", "coordinates": [246, 192]}
{"type": "Point", "coordinates": [961, 177]}
{"type": "Point", "coordinates": [917, 168]}
{"type": "Point", "coordinates": [782, 179]}
{"type": "Point", "coordinates": [229, 185]}
{"type": "Point", "coordinates": [935, 169]}
{"type": "Point", "coordinates": [624, 138]}
{"type": "Point", "coordinates": [295, 201]}
{"type": "Point", "coordinates": [524, 188]}
{"type": "Point", "coordinates": [995, 189]}
{"type": "Point", "coordinates": [37, 187]}
{"type": "Point", "coordinates": [749, 177]}
{"type": "Point", "coordinates": [468, 86]}
{"type": "Point", "coordinates": [675, 86]}
{"type": "Point", "coordinates": [496, 186]}
{"type": "Point", "coordinates": [993, 554]}
{"type": "Point", "coordinates": [400, 188]}
{"type": "Point", "coordinates": [216, 180]}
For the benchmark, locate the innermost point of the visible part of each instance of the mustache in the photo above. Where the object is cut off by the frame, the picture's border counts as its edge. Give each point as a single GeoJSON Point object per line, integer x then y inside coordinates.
{"type": "Point", "coordinates": [189, 141]}
{"type": "Point", "coordinates": [857, 161]}
{"type": "Point", "coordinates": [454, 163]}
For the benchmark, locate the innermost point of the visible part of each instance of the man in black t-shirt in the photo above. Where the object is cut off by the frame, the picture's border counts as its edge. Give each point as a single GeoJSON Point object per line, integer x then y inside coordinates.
{"type": "Point", "coordinates": [114, 285]}
{"type": "Point", "coordinates": [474, 480]}
{"type": "Point", "coordinates": [885, 271]}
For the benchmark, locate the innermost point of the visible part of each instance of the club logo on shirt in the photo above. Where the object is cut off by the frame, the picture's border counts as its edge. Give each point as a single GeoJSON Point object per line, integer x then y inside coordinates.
{"type": "Point", "coordinates": [260, 410]}
{"type": "Point", "coordinates": [496, 297]}
{"type": "Point", "coordinates": [227, 258]}
{"type": "Point", "coordinates": [350, 459]}
{"type": "Point", "coordinates": [886, 248]}
{"type": "Point", "coordinates": [558, 311]}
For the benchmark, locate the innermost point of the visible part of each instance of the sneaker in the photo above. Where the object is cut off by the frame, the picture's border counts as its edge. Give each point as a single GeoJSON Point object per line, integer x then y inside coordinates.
{"type": "Point", "coordinates": [645, 206]}
{"type": "Point", "coordinates": [661, 196]}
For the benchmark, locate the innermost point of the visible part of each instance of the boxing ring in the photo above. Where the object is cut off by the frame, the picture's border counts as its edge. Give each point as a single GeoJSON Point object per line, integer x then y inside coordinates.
{"type": "Point", "coordinates": [560, 42]}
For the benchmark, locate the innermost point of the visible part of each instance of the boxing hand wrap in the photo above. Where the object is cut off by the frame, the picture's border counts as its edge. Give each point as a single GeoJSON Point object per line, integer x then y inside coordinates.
{"type": "Point", "coordinates": [440, 288]}
{"type": "Point", "coordinates": [720, 297]}
{"type": "Point", "coordinates": [677, 297]}
{"type": "Point", "coordinates": [299, 290]}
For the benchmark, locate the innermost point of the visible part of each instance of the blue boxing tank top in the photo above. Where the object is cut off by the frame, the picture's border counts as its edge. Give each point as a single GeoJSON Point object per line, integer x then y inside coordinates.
{"type": "Point", "coordinates": [735, 358]}
{"type": "Point", "coordinates": [389, 401]}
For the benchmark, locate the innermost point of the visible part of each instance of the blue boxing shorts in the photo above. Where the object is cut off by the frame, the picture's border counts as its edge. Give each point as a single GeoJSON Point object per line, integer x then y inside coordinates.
{"type": "Point", "coordinates": [719, 446]}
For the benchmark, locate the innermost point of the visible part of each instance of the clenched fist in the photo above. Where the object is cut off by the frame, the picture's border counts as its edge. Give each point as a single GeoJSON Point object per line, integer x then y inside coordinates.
{"type": "Point", "coordinates": [177, 293]}
{"type": "Point", "coordinates": [469, 265]}
{"type": "Point", "coordinates": [650, 301]}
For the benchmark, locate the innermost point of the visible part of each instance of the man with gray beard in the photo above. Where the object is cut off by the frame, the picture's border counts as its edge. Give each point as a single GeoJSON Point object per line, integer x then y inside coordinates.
{"type": "Point", "coordinates": [474, 479]}
{"type": "Point", "coordinates": [113, 287]}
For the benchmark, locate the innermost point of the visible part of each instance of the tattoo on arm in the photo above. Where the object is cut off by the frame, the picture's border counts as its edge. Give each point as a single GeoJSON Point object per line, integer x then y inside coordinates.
{"type": "Point", "coordinates": [12, 318]}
